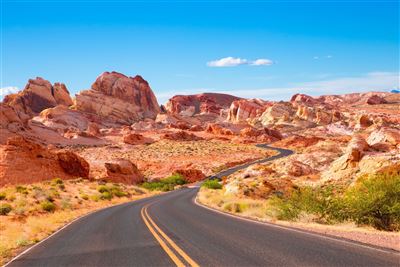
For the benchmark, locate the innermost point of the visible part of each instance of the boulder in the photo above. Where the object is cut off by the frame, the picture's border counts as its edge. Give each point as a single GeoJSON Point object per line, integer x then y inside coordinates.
{"type": "Point", "coordinates": [73, 164]}
{"type": "Point", "coordinates": [119, 99]}
{"type": "Point", "coordinates": [123, 171]}
{"type": "Point", "coordinates": [136, 139]}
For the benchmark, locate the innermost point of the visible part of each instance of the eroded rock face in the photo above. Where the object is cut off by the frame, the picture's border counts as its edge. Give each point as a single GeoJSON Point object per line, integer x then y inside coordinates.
{"type": "Point", "coordinates": [215, 128]}
{"type": "Point", "coordinates": [118, 98]}
{"type": "Point", "coordinates": [385, 135]}
{"type": "Point", "coordinates": [189, 105]}
{"type": "Point", "coordinates": [73, 164]}
{"type": "Point", "coordinates": [244, 109]}
{"type": "Point", "coordinates": [123, 171]}
{"type": "Point", "coordinates": [22, 161]}
{"type": "Point", "coordinates": [278, 112]}
{"type": "Point", "coordinates": [191, 175]}
{"type": "Point", "coordinates": [38, 95]}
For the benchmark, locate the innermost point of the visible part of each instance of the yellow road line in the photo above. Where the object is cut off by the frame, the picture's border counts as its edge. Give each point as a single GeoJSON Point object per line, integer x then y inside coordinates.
{"type": "Point", "coordinates": [174, 258]}
{"type": "Point", "coordinates": [172, 243]}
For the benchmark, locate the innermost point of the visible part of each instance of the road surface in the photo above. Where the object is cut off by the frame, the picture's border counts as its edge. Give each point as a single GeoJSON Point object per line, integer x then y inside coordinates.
{"type": "Point", "coordinates": [172, 230]}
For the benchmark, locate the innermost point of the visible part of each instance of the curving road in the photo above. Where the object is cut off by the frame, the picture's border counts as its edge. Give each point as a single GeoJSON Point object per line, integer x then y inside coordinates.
{"type": "Point", "coordinates": [171, 229]}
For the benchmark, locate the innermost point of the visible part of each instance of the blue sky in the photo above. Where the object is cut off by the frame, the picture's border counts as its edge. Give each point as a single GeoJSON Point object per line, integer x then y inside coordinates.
{"type": "Point", "coordinates": [315, 47]}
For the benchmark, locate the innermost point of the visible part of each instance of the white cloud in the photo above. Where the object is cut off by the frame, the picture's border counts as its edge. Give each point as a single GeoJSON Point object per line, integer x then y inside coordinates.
{"type": "Point", "coordinates": [233, 62]}
{"type": "Point", "coordinates": [8, 90]}
{"type": "Point", "coordinates": [261, 62]}
{"type": "Point", "coordinates": [227, 62]}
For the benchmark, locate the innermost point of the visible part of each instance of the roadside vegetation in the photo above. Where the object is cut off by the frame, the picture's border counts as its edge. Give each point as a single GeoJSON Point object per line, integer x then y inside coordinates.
{"type": "Point", "coordinates": [373, 201]}
{"type": "Point", "coordinates": [166, 184]}
{"type": "Point", "coordinates": [29, 213]}
{"type": "Point", "coordinates": [212, 184]}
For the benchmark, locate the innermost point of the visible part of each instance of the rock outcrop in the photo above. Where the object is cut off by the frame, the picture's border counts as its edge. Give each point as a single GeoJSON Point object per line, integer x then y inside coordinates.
{"type": "Point", "coordinates": [244, 109]}
{"type": "Point", "coordinates": [136, 139]}
{"type": "Point", "coordinates": [189, 105]}
{"type": "Point", "coordinates": [22, 161]}
{"type": "Point", "coordinates": [191, 175]}
{"type": "Point", "coordinates": [215, 128]}
{"type": "Point", "coordinates": [123, 171]}
{"type": "Point", "coordinates": [38, 95]}
{"type": "Point", "coordinates": [119, 99]}
{"type": "Point", "coordinates": [181, 136]}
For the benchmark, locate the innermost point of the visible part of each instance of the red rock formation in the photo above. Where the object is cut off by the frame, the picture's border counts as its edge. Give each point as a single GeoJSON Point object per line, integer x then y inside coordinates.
{"type": "Point", "coordinates": [305, 99]}
{"type": "Point", "coordinates": [191, 175]}
{"type": "Point", "coordinates": [189, 105]}
{"type": "Point", "coordinates": [22, 161]}
{"type": "Point", "coordinates": [375, 100]}
{"type": "Point", "coordinates": [38, 95]}
{"type": "Point", "coordinates": [215, 128]}
{"type": "Point", "coordinates": [243, 109]}
{"type": "Point", "coordinates": [196, 128]}
{"type": "Point", "coordinates": [73, 164]}
{"type": "Point", "coordinates": [123, 171]}
{"type": "Point", "coordinates": [136, 139]}
{"type": "Point", "coordinates": [181, 136]}
{"type": "Point", "coordinates": [118, 98]}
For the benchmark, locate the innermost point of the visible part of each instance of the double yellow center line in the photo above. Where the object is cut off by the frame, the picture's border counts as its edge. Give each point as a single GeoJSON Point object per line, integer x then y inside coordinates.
{"type": "Point", "coordinates": [172, 250]}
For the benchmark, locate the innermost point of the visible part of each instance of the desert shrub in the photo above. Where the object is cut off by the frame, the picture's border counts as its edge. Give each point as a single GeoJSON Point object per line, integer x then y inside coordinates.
{"type": "Point", "coordinates": [212, 184]}
{"type": "Point", "coordinates": [84, 196]}
{"type": "Point", "coordinates": [375, 200]}
{"type": "Point", "coordinates": [65, 204]}
{"type": "Point", "coordinates": [5, 209]}
{"type": "Point", "coordinates": [95, 198]}
{"type": "Point", "coordinates": [174, 179]}
{"type": "Point", "coordinates": [106, 195]}
{"type": "Point", "coordinates": [57, 181]}
{"type": "Point", "coordinates": [166, 184]}
{"type": "Point", "coordinates": [103, 188]}
{"type": "Point", "coordinates": [3, 195]}
{"type": "Point", "coordinates": [21, 189]}
{"type": "Point", "coordinates": [236, 207]}
{"type": "Point", "coordinates": [48, 206]}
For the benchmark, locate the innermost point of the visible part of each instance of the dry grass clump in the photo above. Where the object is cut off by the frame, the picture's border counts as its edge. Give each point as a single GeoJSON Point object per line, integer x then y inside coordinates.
{"type": "Point", "coordinates": [247, 207]}
{"type": "Point", "coordinates": [29, 213]}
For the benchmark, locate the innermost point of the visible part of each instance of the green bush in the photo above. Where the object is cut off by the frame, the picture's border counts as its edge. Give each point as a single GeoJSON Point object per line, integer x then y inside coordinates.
{"type": "Point", "coordinates": [106, 195]}
{"type": "Point", "coordinates": [3, 195]}
{"type": "Point", "coordinates": [174, 179]}
{"type": "Point", "coordinates": [48, 206]}
{"type": "Point", "coordinates": [84, 196]}
{"type": "Point", "coordinates": [374, 200]}
{"type": "Point", "coordinates": [166, 184]}
{"type": "Point", "coordinates": [5, 209]}
{"type": "Point", "coordinates": [212, 184]}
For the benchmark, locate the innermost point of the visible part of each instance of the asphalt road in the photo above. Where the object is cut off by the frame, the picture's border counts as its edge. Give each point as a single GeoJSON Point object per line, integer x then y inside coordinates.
{"type": "Point", "coordinates": [171, 229]}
